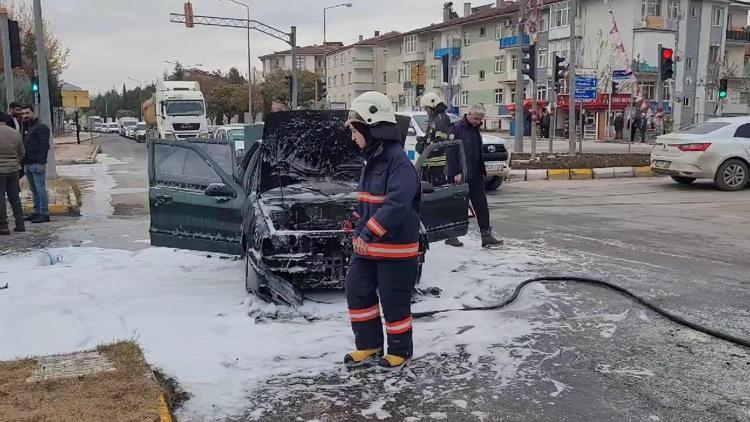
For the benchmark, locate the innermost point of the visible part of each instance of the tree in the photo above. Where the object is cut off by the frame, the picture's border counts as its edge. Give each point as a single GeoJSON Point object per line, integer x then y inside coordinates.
{"type": "Point", "coordinates": [276, 86]}
{"type": "Point", "coordinates": [223, 101]}
{"type": "Point", "coordinates": [234, 76]}
{"type": "Point", "coordinates": [178, 74]}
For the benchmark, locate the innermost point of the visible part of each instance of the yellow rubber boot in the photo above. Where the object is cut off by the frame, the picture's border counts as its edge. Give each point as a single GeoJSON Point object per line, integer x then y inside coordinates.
{"type": "Point", "coordinates": [361, 357]}
{"type": "Point", "coordinates": [391, 362]}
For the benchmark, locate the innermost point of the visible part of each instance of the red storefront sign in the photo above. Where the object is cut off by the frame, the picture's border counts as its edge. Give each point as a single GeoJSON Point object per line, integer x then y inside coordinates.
{"type": "Point", "coordinates": [540, 104]}
{"type": "Point", "coordinates": [619, 102]}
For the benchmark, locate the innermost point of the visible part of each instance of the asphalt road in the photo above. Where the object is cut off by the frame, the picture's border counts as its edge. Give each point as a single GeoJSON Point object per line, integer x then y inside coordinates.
{"type": "Point", "coordinates": [603, 357]}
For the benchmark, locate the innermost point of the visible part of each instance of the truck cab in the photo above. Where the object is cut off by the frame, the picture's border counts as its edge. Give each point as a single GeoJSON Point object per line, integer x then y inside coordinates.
{"type": "Point", "coordinates": [177, 110]}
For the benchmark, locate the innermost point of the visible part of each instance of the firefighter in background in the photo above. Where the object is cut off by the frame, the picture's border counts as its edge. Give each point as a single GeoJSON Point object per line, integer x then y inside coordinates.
{"type": "Point", "coordinates": [438, 130]}
{"type": "Point", "coordinates": [386, 237]}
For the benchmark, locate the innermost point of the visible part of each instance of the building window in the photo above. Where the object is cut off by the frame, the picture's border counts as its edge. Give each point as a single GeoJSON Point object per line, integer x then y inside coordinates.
{"type": "Point", "coordinates": [350, 78]}
{"type": "Point", "coordinates": [467, 38]}
{"type": "Point", "coordinates": [433, 72]}
{"type": "Point", "coordinates": [302, 62]}
{"type": "Point", "coordinates": [689, 63]}
{"type": "Point", "coordinates": [482, 32]}
{"type": "Point", "coordinates": [464, 98]}
{"type": "Point", "coordinates": [410, 44]}
{"type": "Point", "coordinates": [543, 23]}
{"type": "Point", "coordinates": [498, 30]}
{"type": "Point", "coordinates": [401, 76]}
{"type": "Point", "coordinates": [559, 14]}
{"type": "Point", "coordinates": [330, 81]}
{"type": "Point", "coordinates": [385, 77]}
{"type": "Point", "coordinates": [500, 64]}
{"type": "Point", "coordinates": [711, 95]}
{"type": "Point", "coordinates": [667, 92]}
{"type": "Point", "coordinates": [498, 95]}
{"type": "Point", "coordinates": [716, 16]}
{"type": "Point", "coordinates": [512, 95]}
{"type": "Point", "coordinates": [541, 93]}
{"type": "Point", "coordinates": [465, 68]}
{"type": "Point", "coordinates": [513, 62]}
{"type": "Point", "coordinates": [432, 44]}
{"type": "Point", "coordinates": [649, 90]}
{"type": "Point", "coordinates": [409, 98]}
{"type": "Point", "coordinates": [650, 8]}
{"type": "Point", "coordinates": [481, 75]}
{"type": "Point", "coordinates": [335, 81]}
{"type": "Point", "coordinates": [407, 73]}
{"type": "Point", "coordinates": [673, 10]}
{"type": "Point", "coordinates": [693, 13]}
{"type": "Point", "coordinates": [686, 102]}
{"type": "Point", "coordinates": [713, 54]}
{"type": "Point", "coordinates": [542, 57]}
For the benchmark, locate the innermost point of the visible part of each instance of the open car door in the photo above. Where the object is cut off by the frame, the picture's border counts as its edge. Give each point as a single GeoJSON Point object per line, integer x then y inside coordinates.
{"type": "Point", "coordinates": [194, 200]}
{"type": "Point", "coordinates": [445, 207]}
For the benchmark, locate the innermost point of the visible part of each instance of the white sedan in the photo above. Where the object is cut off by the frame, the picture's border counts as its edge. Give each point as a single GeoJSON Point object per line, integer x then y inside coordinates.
{"type": "Point", "coordinates": [717, 149]}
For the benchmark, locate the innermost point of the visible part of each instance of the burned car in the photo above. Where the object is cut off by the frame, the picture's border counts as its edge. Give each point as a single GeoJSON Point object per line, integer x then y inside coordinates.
{"type": "Point", "coordinates": [288, 207]}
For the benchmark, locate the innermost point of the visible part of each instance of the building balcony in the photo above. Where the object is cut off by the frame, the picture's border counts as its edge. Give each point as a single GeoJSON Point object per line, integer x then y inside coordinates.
{"type": "Point", "coordinates": [362, 63]}
{"type": "Point", "coordinates": [656, 23]}
{"type": "Point", "coordinates": [512, 41]}
{"type": "Point", "coordinates": [739, 36]}
{"type": "Point", "coordinates": [363, 86]}
{"type": "Point", "coordinates": [454, 52]}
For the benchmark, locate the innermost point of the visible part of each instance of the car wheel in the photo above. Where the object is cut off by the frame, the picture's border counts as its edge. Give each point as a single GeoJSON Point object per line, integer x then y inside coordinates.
{"type": "Point", "coordinates": [684, 180]}
{"type": "Point", "coordinates": [493, 184]}
{"type": "Point", "coordinates": [732, 175]}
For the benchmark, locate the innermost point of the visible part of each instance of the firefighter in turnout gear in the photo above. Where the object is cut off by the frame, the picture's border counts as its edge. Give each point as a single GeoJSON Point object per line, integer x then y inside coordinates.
{"type": "Point", "coordinates": [386, 237]}
{"type": "Point", "coordinates": [438, 129]}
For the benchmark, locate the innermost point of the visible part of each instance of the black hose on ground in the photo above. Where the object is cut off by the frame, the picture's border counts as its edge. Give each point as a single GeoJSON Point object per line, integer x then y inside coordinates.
{"type": "Point", "coordinates": [592, 281]}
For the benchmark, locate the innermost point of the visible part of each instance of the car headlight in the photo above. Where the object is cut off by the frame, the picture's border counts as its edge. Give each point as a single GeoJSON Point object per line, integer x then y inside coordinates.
{"type": "Point", "coordinates": [203, 135]}
{"type": "Point", "coordinates": [169, 135]}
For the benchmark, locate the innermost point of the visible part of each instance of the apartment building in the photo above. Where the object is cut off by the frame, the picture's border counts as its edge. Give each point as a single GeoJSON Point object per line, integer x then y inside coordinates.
{"type": "Point", "coordinates": [310, 58]}
{"type": "Point", "coordinates": [355, 69]}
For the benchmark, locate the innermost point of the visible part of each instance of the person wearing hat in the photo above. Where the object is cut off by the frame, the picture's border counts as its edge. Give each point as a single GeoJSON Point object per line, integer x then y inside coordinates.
{"type": "Point", "coordinates": [438, 130]}
{"type": "Point", "coordinates": [383, 270]}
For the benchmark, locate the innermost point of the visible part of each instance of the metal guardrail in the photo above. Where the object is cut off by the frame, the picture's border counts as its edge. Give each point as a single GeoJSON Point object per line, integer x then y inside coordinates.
{"type": "Point", "coordinates": [738, 35]}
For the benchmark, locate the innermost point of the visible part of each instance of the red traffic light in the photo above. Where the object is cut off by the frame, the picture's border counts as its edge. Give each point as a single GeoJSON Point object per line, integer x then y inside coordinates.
{"type": "Point", "coordinates": [667, 53]}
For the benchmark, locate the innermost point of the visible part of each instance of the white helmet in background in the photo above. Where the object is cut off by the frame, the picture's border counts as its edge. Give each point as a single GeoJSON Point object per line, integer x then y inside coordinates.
{"type": "Point", "coordinates": [431, 99]}
{"type": "Point", "coordinates": [372, 108]}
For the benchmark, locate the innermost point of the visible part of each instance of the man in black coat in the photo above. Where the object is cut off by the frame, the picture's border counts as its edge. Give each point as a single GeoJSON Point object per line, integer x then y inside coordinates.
{"type": "Point", "coordinates": [467, 130]}
{"type": "Point", "coordinates": [37, 143]}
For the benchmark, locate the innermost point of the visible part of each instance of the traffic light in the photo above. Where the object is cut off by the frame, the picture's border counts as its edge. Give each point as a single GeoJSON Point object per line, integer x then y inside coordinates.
{"type": "Point", "coordinates": [322, 90]}
{"type": "Point", "coordinates": [559, 71]}
{"type": "Point", "coordinates": [723, 85]}
{"type": "Point", "coordinates": [34, 84]}
{"type": "Point", "coordinates": [666, 60]}
{"type": "Point", "coordinates": [615, 87]}
{"type": "Point", "coordinates": [528, 61]}
{"type": "Point", "coordinates": [15, 44]}
{"type": "Point", "coordinates": [189, 17]}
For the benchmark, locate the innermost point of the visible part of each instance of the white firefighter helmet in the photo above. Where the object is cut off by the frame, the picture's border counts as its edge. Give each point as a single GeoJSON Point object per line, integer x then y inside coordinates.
{"type": "Point", "coordinates": [431, 99]}
{"type": "Point", "coordinates": [372, 108]}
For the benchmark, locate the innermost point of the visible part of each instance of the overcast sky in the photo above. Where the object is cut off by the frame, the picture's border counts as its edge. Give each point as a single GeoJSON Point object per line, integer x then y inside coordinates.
{"type": "Point", "coordinates": [111, 40]}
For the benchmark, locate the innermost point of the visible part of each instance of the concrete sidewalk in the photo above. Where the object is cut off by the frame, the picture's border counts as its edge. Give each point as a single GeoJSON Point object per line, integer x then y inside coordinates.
{"type": "Point", "coordinates": [63, 197]}
{"type": "Point", "coordinates": [68, 151]}
{"type": "Point", "coordinates": [560, 146]}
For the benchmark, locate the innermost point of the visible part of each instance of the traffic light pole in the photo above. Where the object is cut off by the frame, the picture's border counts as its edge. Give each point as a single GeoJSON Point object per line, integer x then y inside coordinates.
{"type": "Point", "coordinates": [534, 119]}
{"type": "Point", "coordinates": [518, 138]}
{"type": "Point", "coordinates": [659, 81]}
{"type": "Point", "coordinates": [45, 113]}
{"type": "Point", "coordinates": [7, 65]}
{"type": "Point", "coordinates": [572, 12]}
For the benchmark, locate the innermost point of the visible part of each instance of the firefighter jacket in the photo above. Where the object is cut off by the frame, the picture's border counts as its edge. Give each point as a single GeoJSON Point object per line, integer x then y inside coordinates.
{"type": "Point", "coordinates": [438, 130]}
{"type": "Point", "coordinates": [389, 205]}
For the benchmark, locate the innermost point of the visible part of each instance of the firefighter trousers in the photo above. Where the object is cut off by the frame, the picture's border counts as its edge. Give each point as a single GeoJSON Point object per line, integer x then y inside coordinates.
{"type": "Point", "coordinates": [393, 281]}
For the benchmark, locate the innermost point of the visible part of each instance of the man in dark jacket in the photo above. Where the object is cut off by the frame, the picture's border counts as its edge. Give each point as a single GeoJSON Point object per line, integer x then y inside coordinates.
{"type": "Point", "coordinates": [619, 125]}
{"type": "Point", "coordinates": [15, 117]}
{"type": "Point", "coordinates": [467, 130]}
{"type": "Point", "coordinates": [37, 143]}
{"type": "Point", "coordinates": [386, 238]}
{"type": "Point", "coordinates": [11, 154]}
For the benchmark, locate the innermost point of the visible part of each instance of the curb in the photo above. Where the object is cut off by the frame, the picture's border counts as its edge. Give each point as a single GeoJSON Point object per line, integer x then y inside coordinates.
{"type": "Point", "coordinates": [92, 157]}
{"type": "Point", "coordinates": [580, 174]}
{"type": "Point", "coordinates": [164, 414]}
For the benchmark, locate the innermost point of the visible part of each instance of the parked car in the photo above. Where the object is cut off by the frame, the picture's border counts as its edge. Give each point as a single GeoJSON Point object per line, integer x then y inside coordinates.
{"type": "Point", "coordinates": [130, 131]}
{"type": "Point", "coordinates": [139, 133]}
{"type": "Point", "coordinates": [112, 127]}
{"type": "Point", "coordinates": [125, 125]}
{"type": "Point", "coordinates": [717, 149]}
{"type": "Point", "coordinates": [496, 157]}
{"type": "Point", "coordinates": [287, 207]}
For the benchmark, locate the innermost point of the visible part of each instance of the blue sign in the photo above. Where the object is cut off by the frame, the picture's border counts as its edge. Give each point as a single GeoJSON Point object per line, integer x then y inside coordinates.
{"type": "Point", "coordinates": [585, 82]}
{"type": "Point", "coordinates": [622, 75]}
{"type": "Point", "coordinates": [512, 41]}
{"type": "Point", "coordinates": [585, 94]}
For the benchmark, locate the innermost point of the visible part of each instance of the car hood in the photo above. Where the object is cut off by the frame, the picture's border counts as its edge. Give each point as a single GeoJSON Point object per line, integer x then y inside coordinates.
{"type": "Point", "coordinates": [304, 145]}
{"type": "Point", "coordinates": [492, 140]}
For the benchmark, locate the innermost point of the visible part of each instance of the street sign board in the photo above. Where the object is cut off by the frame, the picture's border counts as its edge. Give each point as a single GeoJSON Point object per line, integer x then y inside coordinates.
{"type": "Point", "coordinates": [622, 75]}
{"type": "Point", "coordinates": [585, 95]}
{"type": "Point", "coordinates": [76, 99]}
{"type": "Point", "coordinates": [583, 82]}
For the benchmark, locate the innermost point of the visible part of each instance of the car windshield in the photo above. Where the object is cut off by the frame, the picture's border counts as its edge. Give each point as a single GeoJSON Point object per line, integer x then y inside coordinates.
{"type": "Point", "coordinates": [128, 124]}
{"type": "Point", "coordinates": [113, 125]}
{"type": "Point", "coordinates": [702, 128]}
{"type": "Point", "coordinates": [184, 108]}
{"type": "Point", "coordinates": [140, 126]}
{"type": "Point", "coordinates": [421, 120]}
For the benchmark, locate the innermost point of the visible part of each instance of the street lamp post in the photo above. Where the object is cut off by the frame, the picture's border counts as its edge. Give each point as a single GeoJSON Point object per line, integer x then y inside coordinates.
{"type": "Point", "coordinates": [249, 63]}
{"type": "Point", "coordinates": [140, 95]}
{"type": "Point", "coordinates": [325, 59]}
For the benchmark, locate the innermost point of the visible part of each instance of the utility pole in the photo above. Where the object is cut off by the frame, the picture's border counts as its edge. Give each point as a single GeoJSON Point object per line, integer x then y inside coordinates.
{"type": "Point", "coordinates": [295, 93]}
{"type": "Point", "coordinates": [572, 12]}
{"type": "Point", "coordinates": [659, 80]}
{"type": "Point", "coordinates": [7, 65]}
{"type": "Point", "coordinates": [518, 139]}
{"type": "Point", "coordinates": [45, 114]}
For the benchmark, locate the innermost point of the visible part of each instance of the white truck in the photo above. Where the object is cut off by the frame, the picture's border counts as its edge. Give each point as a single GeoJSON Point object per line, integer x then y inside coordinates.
{"type": "Point", "coordinates": [177, 110]}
